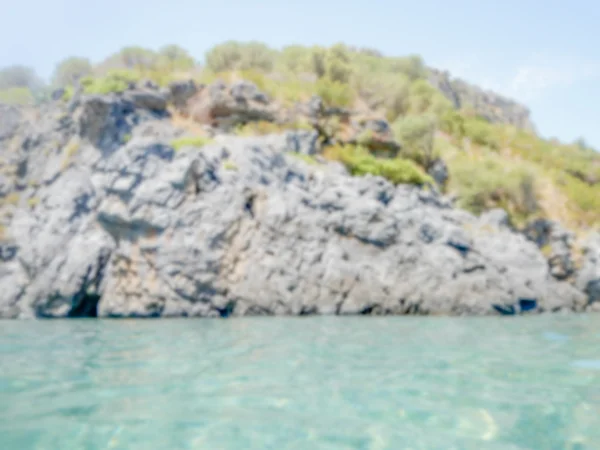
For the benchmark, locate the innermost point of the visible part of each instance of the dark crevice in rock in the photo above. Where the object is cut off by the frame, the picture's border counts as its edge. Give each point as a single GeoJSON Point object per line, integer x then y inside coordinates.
{"type": "Point", "coordinates": [368, 310]}
{"type": "Point", "coordinates": [86, 305]}
{"type": "Point", "coordinates": [8, 252]}
{"type": "Point", "coordinates": [474, 268]}
{"type": "Point", "coordinates": [227, 310]}
{"type": "Point", "coordinates": [385, 197]}
{"type": "Point", "coordinates": [249, 205]}
{"type": "Point", "coordinates": [81, 206]}
{"type": "Point", "coordinates": [527, 304]}
{"type": "Point", "coordinates": [523, 305]}
{"type": "Point", "coordinates": [119, 229]}
{"type": "Point", "coordinates": [85, 302]}
{"type": "Point", "coordinates": [308, 311]}
{"type": "Point", "coordinates": [463, 249]}
{"type": "Point", "coordinates": [374, 242]}
{"type": "Point", "coordinates": [505, 310]}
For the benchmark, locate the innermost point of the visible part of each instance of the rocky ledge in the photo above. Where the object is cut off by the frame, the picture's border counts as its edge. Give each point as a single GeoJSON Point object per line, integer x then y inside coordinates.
{"type": "Point", "coordinates": [104, 216]}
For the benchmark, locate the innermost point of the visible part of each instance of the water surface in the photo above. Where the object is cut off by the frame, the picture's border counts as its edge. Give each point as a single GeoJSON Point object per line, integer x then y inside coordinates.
{"type": "Point", "coordinates": [301, 383]}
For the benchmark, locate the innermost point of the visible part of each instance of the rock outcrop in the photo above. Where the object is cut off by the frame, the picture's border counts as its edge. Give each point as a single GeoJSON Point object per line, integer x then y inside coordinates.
{"type": "Point", "coordinates": [588, 278]}
{"type": "Point", "coordinates": [110, 220]}
{"type": "Point", "coordinates": [487, 104]}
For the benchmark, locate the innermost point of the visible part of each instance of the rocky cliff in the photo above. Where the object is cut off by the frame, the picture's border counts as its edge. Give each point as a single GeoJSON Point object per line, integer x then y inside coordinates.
{"type": "Point", "coordinates": [489, 105]}
{"type": "Point", "coordinates": [104, 215]}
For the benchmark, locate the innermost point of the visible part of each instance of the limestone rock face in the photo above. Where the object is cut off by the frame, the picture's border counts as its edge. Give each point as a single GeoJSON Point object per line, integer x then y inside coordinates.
{"type": "Point", "coordinates": [107, 219]}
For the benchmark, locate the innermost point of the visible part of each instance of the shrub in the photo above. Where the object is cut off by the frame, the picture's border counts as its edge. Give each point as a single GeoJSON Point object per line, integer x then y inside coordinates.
{"type": "Point", "coordinates": [412, 65]}
{"type": "Point", "coordinates": [19, 77]}
{"type": "Point", "coordinates": [114, 81]}
{"type": "Point", "coordinates": [190, 141]}
{"type": "Point", "coordinates": [334, 93]}
{"type": "Point", "coordinates": [453, 123]}
{"type": "Point", "coordinates": [360, 162]}
{"type": "Point", "coordinates": [424, 98]}
{"type": "Point", "coordinates": [17, 96]}
{"type": "Point", "coordinates": [416, 134]}
{"type": "Point", "coordinates": [70, 70]}
{"type": "Point", "coordinates": [233, 55]}
{"type": "Point", "coordinates": [295, 59]}
{"type": "Point", "coordinates": [582, 196]}
{"type": "Point", "coordinates": [481, 132]}
{"type": "Point", "coordinates": [130, 58]}
{"type": "Point", "coordinates": [337, 64]}
{"type": "Point", "coordinates": [173, 58]}
{"type": "Point", "coordinates": [489, 181]}
{"type": "Point", "coordinates": [390, 91]}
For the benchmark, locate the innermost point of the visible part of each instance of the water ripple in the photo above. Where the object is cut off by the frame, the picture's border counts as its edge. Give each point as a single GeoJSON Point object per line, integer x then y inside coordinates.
{"type": "Point", "coordinates": [301, 383]}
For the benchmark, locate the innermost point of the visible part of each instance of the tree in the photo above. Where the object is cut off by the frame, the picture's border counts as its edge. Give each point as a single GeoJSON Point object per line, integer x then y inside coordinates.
{"type": "Point", "coordinates": [70, 70]}
{"type": "Point", "coordinates": [132, 58]}
{"type": "Point", "coordinates": [234, 55]}
{"type": "Point", "coordinates": [416, 134]}
{"type": "Point", "coordinates": [18, 76]}
{"type": "Point", "coordinates": [173, 57]}
{"type": "Point", "coordinates": [295, 58]}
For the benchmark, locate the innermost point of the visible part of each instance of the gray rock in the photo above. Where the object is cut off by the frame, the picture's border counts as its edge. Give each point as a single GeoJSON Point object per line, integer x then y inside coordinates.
{"type": "Point", "coordinates": [180, 92]}
{"type": "Point", "coordinates": [557, 245]}
{"type": "Point", "coordinates": [495, 217]}
{"type": "Point", "coordinates": [10, 118]}
{"type": "Point", "coordinates": [147, 99]}
{"type": "Point", "coordinates": [588, 278]}
{"type": "Point", "coordinates": [303, 141]}
{"type": "Point", "coordinates": [439, 172]}
{"type": "Point", "coordinates": [131, 228]}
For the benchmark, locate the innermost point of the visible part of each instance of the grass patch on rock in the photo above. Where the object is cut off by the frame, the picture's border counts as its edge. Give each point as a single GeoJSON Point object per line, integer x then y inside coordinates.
{"type": "Point", "coordinates": [190, 141]}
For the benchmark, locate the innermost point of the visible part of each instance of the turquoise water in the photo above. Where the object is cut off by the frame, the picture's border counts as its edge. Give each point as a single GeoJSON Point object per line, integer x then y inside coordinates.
{"type": "Point", "coordinates": [301, 383]}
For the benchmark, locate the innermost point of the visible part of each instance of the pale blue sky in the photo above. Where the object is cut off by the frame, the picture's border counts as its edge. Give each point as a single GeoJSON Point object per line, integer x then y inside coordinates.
{"type": "Point", "coordinates": [542, 53]}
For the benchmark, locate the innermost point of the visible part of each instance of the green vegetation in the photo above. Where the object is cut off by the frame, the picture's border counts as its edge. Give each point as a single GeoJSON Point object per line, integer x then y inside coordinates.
{"type": "Point", "coordinates": [360, 162]}
{"type": "Point", "coordinates": [17, 96]}
{"type": "Point", "coordinates": [114, 81]}
{"type": "Point", "coordinates": [415, 134]}
{"type": "Point", "coordinates": [229, 165]}
{"type": "Point", "coordinates": [33, 202]}
{"type": "Point", "coordinates": [487, 181]}
{"type": "Point", "coordinates": [190, 141]}
{"type": "Point", "coordinates": [490, 165]}
{"type": "Point", "coordinates": [70, 70]}
{"type": "Point", "coordinates": [306, 158]}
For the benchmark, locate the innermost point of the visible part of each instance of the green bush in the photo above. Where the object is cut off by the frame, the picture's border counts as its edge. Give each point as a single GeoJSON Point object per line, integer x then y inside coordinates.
{"type": "Point", "coordinates": [412, 65]}
{"type": "Point", "coordinates": [337, 64]}
{"type": "Point", "coordinates": [233, 55]}
{"type": "Point", "coordinates": [360, 162]}
{"type": "Point", "coordinates": [174, 57]}
{"type": "Point", "coordinates": [453, 123]}
{"type": "Point", "coordinates": [334, 93]}
{"type": "Point", "coordinates": [70, 70]}
{"type": "Point", "coordinates": [295, 59]}
{"type": "Point", "coordinates": [481, 133]}
{"type": "Point", "coordinates": [584, 197]}
{"type": "Point", "coordinates": [387, 90]}
{"type": "Point", "coordinates": [130, 58]}
{"type": "Point", "coordinates": [424, 98]}
{"type": "Point", "coordinates": [19, 77]}
{"type": "Point", "coordinates": [416, 136]}
{"type": "Point", "coordinates": [114, 81]}
{"type": "Point", "coordinates": [190, 141]}
{"type": "Point", "coordinates": [489, 181]}
{"type": "Point", "coordinates": [16, 96]}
